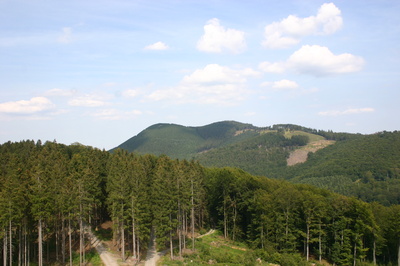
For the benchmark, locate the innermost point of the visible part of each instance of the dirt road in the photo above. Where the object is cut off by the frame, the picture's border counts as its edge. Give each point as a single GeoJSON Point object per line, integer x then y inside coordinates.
{"type": "Point", "coordinates": [107, 258]}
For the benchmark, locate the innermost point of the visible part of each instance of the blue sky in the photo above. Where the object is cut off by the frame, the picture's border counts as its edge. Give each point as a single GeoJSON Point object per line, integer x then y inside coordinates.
{"type": "Point", "coordinates": [99, 72]}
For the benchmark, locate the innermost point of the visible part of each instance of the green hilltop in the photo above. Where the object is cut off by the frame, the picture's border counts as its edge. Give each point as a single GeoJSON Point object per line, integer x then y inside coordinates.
{"type": "Point", "coordinates": [364, 166]}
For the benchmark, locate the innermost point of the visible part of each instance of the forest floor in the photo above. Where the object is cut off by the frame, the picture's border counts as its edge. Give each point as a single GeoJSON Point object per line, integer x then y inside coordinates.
{"type": "Point", "coordinates": [300, 155]}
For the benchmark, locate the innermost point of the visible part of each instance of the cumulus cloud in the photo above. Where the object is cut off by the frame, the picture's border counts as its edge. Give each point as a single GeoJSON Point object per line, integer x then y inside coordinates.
{"type": "Point", "coordinates": [283, 84]}
{"type": "Point", "coordinates": [115, 114]}
{"type": "Point", "coordinates": [317, 61]}
{"type": "Point", "coordinates": [217, 39]}
{"type": "Point", "coordinates": [290, 30]}
{"type": "Point", "coordinates": [32, 106]}
{"type": "Point", "coordinates": [347, 111]}
{"type": "Point", "coordinates": [213, 84]}
{"type": "Point", "coordinates": [88, 100]}
{"type": "Point", "coordinates": [131, 93]}
{"type": "Point", "coordinates": [66, 35]}
{"type": "Point", "coordinates": [320, 61]}
{"type": "Point", "coordinates": [158, 46]}
{"type": "Point", "coordinates": [60, 92]}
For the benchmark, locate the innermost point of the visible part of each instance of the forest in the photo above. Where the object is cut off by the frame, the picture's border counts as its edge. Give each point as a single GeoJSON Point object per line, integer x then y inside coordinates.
{"type": "Point", "coordinates": [50, 192]}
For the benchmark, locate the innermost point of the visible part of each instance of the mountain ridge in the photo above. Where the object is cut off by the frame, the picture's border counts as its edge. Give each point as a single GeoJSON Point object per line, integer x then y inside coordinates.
{"type": "Point", "coordinates": [364, 166]}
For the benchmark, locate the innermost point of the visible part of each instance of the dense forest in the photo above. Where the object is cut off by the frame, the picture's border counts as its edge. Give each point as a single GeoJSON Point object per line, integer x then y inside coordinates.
{"type": "Point", "coordinates": [49, 194]}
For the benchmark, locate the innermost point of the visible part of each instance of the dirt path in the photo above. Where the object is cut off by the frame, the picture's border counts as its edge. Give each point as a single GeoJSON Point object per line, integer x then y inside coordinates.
{"type": "Point", "coordinates": [208, 233]}
{"type": "Point", "coordinates": [107, 258]}
{"type": "Point", "coordinates": [153, 256]}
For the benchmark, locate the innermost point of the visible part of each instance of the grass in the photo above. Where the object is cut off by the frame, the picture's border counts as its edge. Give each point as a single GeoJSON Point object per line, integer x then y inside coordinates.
{"type": "Point", "coordinates": [214, 249]}
{"type": "Point", "coordinates": [311, 137]}
{"type": "Point", "coordinates": [91, 258]}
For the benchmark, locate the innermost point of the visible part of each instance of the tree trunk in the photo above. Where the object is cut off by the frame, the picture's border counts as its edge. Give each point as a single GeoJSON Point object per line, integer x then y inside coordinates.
{"type": "Point", "coordinates": [81, 259]}
{"type": "Point", "coordinates": [5, 247]}
{"type": "Point", "coordinates": [63, 240]}
{"type": "Point", "coordinates": [180, 222]}
{"type": "Point", "coordinates": [398, 255]}
{"type": "Point", "coordinates": [192, 216]}
{"type": "Point", "coordinates": [25, 245]}
{"type": "Point", "coordinates": [10, 231]}
{"type": "Point", "coordinates": [133, 231]}
{"type": "Point", "coordinates": [171, 248]}
{"type": "Point", "coordinates": [225, 221]}
{"type": "Point", "coordinates": [170, 240]}
{"type": "Point", "coordinates": [320, 245]}
{"type": "Point", "coordinates": [374, 253]}
{"type": "Point", "coordinates": [40, 250]}
{"type": "Point", "coordinates": [122, 239]}
{"type": "Point", "coordinates": [355, 252]}
{"type": "Point", "coordinates": [308, 242]}
{"type": "Point", "coordinates": [70, 241]}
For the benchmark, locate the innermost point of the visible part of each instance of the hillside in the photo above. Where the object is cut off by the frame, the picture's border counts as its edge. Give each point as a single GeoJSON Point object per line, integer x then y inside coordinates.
{"type": "Point", "coordinates": [183, 142]}
{"type": "Point", "coordinates": [364, 166]}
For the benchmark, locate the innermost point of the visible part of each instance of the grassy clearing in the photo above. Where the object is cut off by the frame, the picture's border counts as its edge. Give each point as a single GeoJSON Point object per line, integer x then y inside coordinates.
{"type": "Point", "coordinates": [214, 249]}
{"type": "Point", "coordinates": [311, 137]}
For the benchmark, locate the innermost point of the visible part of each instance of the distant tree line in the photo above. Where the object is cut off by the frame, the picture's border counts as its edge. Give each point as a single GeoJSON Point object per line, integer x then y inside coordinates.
{"type": "Point", "coordinates": [49, 194]}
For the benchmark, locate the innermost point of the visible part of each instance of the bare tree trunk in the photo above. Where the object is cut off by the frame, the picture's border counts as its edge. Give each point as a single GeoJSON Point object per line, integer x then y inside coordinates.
{"type": "Point", "coordinates": [355, 252]}
{"type": "Point", "coordinates": [374, 253]}
{"type": "Point", "coordinates": [192, 215]}
{"type": "Point", "coordinates": [122, 240]}
{"type": "Point", "coordinates": [10, 231]}
{"type": "Point", "coordinates": [308, 242]}
{"type": "Point", "coordinates": [225, 222]}
{"type": "Point", "coordinates": [81, 247]}
{"type": "Point", "coordinates": [133, 231]}
{"type": "Point", "coordinates": [20, 245]}
{"type": "Point", "coordinates": [398, 255]}
{"type": "Point", "coordinates": [63, 239]}
{"type": "Point", "coordinates": [180, 222]}
{"type": "Point", "coordinates": [57, 239]}
{"type": "Point", "coordinates": [5, 247]}
{"type": "Point", "coordinates": [25, 245]}
{"type": "Point", "coordinates": [40, 247]}
{"type": "Point", "coordinates": [70, 241]}
{"type": "Point", "coordinates": [171, 247]}
{"type": "Point", "coordinates": [320, 244]}
{"type": "Point", "coordinates": [234, 222]}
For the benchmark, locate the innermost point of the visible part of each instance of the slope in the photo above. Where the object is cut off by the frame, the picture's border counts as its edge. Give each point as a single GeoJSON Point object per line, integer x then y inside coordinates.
{"type": "Point", "coordinates": [182, 142]}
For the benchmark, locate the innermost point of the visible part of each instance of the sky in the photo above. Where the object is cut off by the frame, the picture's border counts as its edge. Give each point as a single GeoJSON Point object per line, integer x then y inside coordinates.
{"type": "Point", "coordinates": [99, 72]}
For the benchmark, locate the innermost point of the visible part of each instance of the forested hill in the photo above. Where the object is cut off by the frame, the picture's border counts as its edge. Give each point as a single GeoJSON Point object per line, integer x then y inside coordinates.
{"type": "Point", "coordinates": [182, 142]}
{"type": "Point", "coordinates": [364, 166]}
{"type": "Point", "coordinates": [49, 192]}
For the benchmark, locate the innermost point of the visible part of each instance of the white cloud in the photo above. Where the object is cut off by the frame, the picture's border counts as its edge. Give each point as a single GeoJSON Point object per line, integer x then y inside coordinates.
{"type": "Point", "coordinates": [283, 84]}
{"type": "Point", "coordinates": [32, 106]}
{"type": "Point", "coordinates": [317, 61]}
{"type": "Point", "coordinates": [290, 30]}
{"type": "Point", "coordinates": [320, 61]}
{"type": "Point", "coordinates": [272, 67]}
{"type": "Point", "coordinates": [213, 84]}
{"type": "Point", "coordinates": [89, 100]}
{"type": "Point", "coordinates": [158, 46]}
{"type": "Point", "coordinates": [115, 114]}
{"type": "Point", "coordinates": [347, 111]}
{"type": "Point", "coordinates": [66, 35]}
{"type": "Point", "coordinates": [216, 39]}
{"type": "Point", "coordinates": [60, 92]}
{"type": "Point", "coordinates": [131, 93]}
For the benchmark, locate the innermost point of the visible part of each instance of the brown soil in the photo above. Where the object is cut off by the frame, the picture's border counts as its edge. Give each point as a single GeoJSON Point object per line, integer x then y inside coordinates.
{"type": "Point", "coordinates": [300, 155]}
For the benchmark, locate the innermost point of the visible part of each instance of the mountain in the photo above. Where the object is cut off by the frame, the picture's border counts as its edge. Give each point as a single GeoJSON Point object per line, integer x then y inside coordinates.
{"type": "Point", "coordinates": [365, 166]}
{"type": "Point", "coordinates": [183, 142]}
